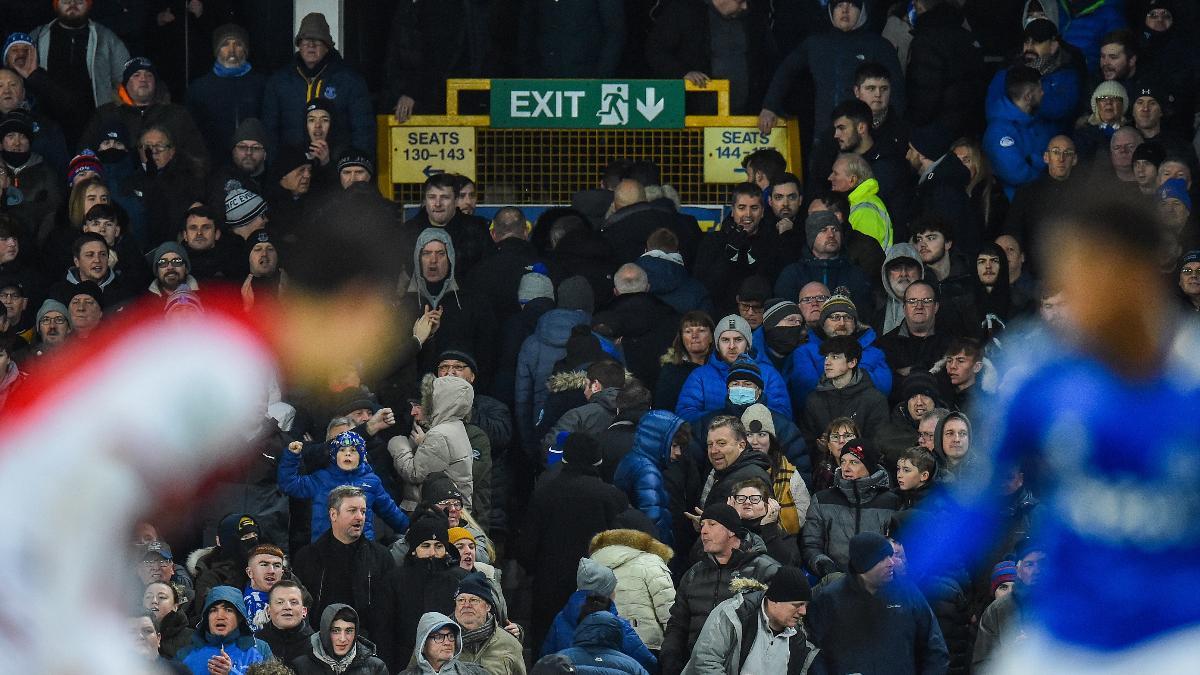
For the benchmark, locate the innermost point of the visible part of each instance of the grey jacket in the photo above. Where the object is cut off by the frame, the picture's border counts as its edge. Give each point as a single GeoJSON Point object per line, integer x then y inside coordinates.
{"type": "Point", "coordinates": [430, 622]}
{"type": "Point", "coordinates": [591, 417]}
{"type": "Point", "coordinates": [446, 447]}
{"type": "Point", "coordinates": [720, 649]}
{"type": "Point", "coordinates": [837, 514]}
{"type": "Point", "coordinates": [105, 59]}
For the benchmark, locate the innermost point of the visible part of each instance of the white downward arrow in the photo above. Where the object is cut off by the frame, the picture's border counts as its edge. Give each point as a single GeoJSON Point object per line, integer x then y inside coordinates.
{"type": "Point", "coordinates": [651, 107]}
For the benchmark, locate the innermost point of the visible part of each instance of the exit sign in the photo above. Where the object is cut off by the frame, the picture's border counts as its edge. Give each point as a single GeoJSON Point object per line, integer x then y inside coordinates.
{"type": "Point", "coordinates": [587, 104]}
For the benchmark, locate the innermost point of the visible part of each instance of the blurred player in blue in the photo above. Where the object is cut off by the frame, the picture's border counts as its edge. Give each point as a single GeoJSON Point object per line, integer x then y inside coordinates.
{"type": "Point", "coordinates": [1104, 408]}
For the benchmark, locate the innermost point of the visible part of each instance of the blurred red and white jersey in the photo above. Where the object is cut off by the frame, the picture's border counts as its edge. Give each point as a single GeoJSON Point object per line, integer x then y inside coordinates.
{"type": "Point", "coordinates": [139, 414]}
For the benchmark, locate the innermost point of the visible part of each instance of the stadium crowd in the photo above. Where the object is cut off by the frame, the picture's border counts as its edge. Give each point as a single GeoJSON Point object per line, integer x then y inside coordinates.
{"type": "Point", "coordinates": [609, 442]}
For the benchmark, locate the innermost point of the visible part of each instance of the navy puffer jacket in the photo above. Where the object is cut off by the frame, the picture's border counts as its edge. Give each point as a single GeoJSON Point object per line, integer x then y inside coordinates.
{"type": "Point", "coordinates": [639, 475]}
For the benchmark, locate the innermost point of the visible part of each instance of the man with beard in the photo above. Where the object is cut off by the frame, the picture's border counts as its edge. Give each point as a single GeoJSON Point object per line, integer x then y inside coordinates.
{"type": "Point", "coordinates": [1062, 74]}
{"type": "Point", "coordinates": [207, 254]}
{"type": "Point", "coordinates": [902, 267]}
{"type": "Point", "coordinates": [1015, 137]}
{"type": "Point", "coordinates": [171, 268]}
{"type": "Point", "coordinates": [738, 249]}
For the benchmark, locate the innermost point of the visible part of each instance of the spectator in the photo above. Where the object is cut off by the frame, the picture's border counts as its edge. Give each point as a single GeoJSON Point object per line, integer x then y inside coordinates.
{"type": "Point", "coordinates": [605, 379]}
{"type": "Point", "coordinates": [171, 268]}
{"type": "Point", "coordinates": [952, 448]}
{"type": "Point", "coordinates": [830, 57]}
{"type": "Point", "coordinates": [669, 278]}
{"type": "Point", "coordinates": [739, 249]}
{"type": "Point", "coordinates": [691, 349]}
{"type": "Point", "coordinates": [927, 427]}
{"type": "Point", "coordinates": [498, 275]}
{"type": "Point", "coordinates": [643, 323]}
{"type": "Point", "coordinates": [148, 638]}
{"type": "Point", "coordinates": [853, 175]}
{"type": "Point", "coordinates": [918, 395]}
{"type": "Point", "coordinates": [1063, 74]}
{"type": "Point", "coordinates": [731, 459]}
{"type": "Point", "coordinates": [165, 600]}
{"type": "Point", "coordinates": [75, 76]}
{"type": "Point", "coordinates": [1024, 287]}
{"type": "Point", "coordinates": [644, 590]}
{"type": "Point", "coordinates": [338, 647]}
{"type": "Point", "coordinates": [661, 438]}
{"type": "Point", "coordinates": [223, 639]}
{"type": "Point", "coordinates": [962, 368]}
{"type": "Point", "coordinates": [751, 297]}
{"type": "Point", "coordinates": [288, 631]}
{"type": "Point", "coordinates": [945, 70]}
{"type": "Point", "coordinates": [582, 41]}
{"type": "Point", "coordinates": [158, 564]}
{"type": "Point", "coordinates": [468, 232]}
{"type": "Point", "coordinates": [169, 183]}
{"type": "Point", "coordinates": [39, 184]}
{"type": "Point", "coordinates": [1146, 159]}
{"type": "Point", "coordinates": [916, 344]}
{"type": "Point", "coordinates": [916, 472]}
{"type": "Point", "coordinates": [1033, 203]}
{"type": "Point", "coordinates": [839, 317]}
{"type": "Point", "coordinates": [1003, 622]}
{"type": "Point", "coordinates": [1124, 142]}
{"type": "Point", "coordinates": [739, 53]}
{"type": "Point", "coordinates": [347, 466]}
{"type": "Point", "coordinates": [318, 72]}
{"type": "Point", "coordinates": [745, 389]}
{"type": "Point", "coordinates": [935, 246]}
{"type": "Point", "coordinates": [440, 642]}
{"type": "Point", "coordinates": [247, 167]}
{"type": "Point", "coordinates": [92, 262]}
{"type": "Point", "coordinates": [758, 630]}
{"type": "Point", "coordinates": [438, 494]}
{"type": "Point", "coordinates": [632, 220]}
{"type": "Point", "coordinates": [843, 391]}
{"type": "Point", "coordinates": [869, 621]}
{"type": "Point", "coordinates": [416, 78]}
{"type": "Point", "coordinates": [49, 141]}
{"type": "Point", "coordinates": [759, 512]}
{"type": "Point", "coordinates": [347, 562]}
{"type": "Point", "coordinates": [787, 483]}
{"type": "Point", "coordinates": [706, 388]}
{"type": "Point", "coordinates": [729, 550]}
{"type": "Point", "coordinates": [901, 267]}
{"type": "Point", "coordinates": [859, 501]}
{"type": "Point", "coordinates": [596, 585]}
{"type": "Point", "coordinates": [825, 260]}
{"type": "Point", "coordinates": [265, 569]}
{"type": "Point", "coordinates": [445, 447]}
{"type": "Point", "coordinates": [541, 350]}
{"type": "Point", "coordinates": [1014, 135]}
{"type": "Point", "coordinates": [53, 328]}
{"type": "Point", "coordinates": [942, 186]}
{"type": "Point", "coordinates": [564, 513]}
{"type": "Point", "coordinates": [853, 134]}
{"type": "Point", "coordinates": [229, 93]}
{"type": "Point", "coordinates": [1084, 25]}
{"type": "Point", "coordinates": [1189, 280]}
{"type": "Point", "coordinates": [596, 644]}
{"type": "Point", "coordinates": [783, 331]}
{"type": "Point", "coordinates": [873, 86]}
{"type": "Point", "coordinates": [1110, 103]}
{"type": "Point", "coordinates": [812, 296]}
{"type": "Point", "coordinates": [988, 205]}
{"type": "Point", "coordinates": [484, 642]}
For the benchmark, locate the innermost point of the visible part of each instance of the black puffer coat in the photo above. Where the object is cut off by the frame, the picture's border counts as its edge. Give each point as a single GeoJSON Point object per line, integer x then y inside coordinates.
{"type": "Point", "coordinates": [837, 514]}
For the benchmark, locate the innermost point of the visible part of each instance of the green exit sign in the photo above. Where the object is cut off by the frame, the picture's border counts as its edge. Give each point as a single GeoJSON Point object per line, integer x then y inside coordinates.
{"type": "Point", "coordinates": [587, 104]}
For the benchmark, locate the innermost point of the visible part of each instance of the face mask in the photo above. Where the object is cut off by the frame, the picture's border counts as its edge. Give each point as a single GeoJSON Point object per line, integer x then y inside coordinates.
{"type": "Point", "coordinates": [785, 339]}
{"type": "Point", "coordinates": [112, 156]}
{"type": "Point", "coordinates": [742, 395]}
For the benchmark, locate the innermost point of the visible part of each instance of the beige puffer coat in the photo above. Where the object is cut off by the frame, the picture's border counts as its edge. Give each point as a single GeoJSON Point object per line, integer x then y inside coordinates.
{"type": "Point", "coordinates": [644, 589]}
{"type": "Point", "coordinates": [445, 448]}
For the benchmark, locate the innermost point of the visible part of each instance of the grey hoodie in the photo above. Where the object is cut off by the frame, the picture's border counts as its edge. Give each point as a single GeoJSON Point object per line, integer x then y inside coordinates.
{"type": "Point", "coordinates": [429, 623]}
{"type": "Point", "coordinates": [893, 314]}
{"type": "Point", "coordinates": [418, 285]}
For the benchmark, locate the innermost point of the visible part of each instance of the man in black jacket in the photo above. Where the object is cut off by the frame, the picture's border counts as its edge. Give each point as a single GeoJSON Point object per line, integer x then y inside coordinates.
{"type": "Point", "coordinates": [343, 565]}
{"type": "Point", "coordinates": [1034, 203]}
{"type": "Point", "coordinates": [288, 632]}
{"type": "Point", "coordinates": [942, 186]}
{"type": "Point", "coordinates": [945, 71]}
{"type": "Point", "coordinates": [645, 324]}
{"type": "Point", "coordinates": [498, 276]}
{"type": "Point", "coordinates": [438, 209]}
{"type": "Point", "coordinates": [741, 248]}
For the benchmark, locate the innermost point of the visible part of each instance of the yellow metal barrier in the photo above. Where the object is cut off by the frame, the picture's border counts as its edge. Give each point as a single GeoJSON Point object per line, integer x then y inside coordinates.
{"type": "Point", "coordinates": [547, 166]}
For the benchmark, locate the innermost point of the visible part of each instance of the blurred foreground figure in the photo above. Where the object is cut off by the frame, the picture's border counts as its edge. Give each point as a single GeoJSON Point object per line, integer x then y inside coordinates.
{"type": "Point", "coordinates": [1103, 410]}
{"type": "Point", "coordinates": [146, 412]}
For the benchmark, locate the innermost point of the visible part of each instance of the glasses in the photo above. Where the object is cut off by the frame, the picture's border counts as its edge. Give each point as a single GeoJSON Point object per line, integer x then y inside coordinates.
{"type": "Point", "coordinates": [913, 302]}
{"type": "Point", "coordinates": [748, 307]}
{"type": "Point", "coordinates": [1101, 99]}
{"type": "Point", "coordinates": [468, 601]}
{"type": "Point", "coordinates": [155, 563]}
{"type": "Point", "coordinates": [1186, 272]}
{"type": "Point", "coordinates": [840, 316]}
{"type": "Point", "coordinates": [452, 368]}
{"type": "Point", "coordinates": [157, 149]}
{"type": "Point", "coordinates": [55, 320]}
{"type": "Point", "coordinates": [809, 299]}
{"type": "Point", "coordinates": [170, 262]}
{"type": "Point", "coordinates": [451, 504]}
{"type": "Point", "coordinates": [841, 437]}
{"type": "Point", "coordinates": [748, 499]}
{"type": "Point", "coordinates": [441, 637]}
{"type": "Point", "coordinates": [1059, 152]}
{"type": "Point", "coordinates": [253, 149]}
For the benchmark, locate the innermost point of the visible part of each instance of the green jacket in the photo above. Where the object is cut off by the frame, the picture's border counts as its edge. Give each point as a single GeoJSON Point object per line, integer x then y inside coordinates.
{"type": "Point", "coordinates": [499, 655]}
{"type": "Point", "coordinates": [868, 213]}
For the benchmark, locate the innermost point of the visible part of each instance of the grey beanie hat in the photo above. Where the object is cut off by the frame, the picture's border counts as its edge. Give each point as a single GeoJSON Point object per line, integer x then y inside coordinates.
{"type": "Point", "coordinates": [242, 206]}
{"type": "Point", "coordinates": [576, 293]}
{"type": "Point", "coordinates": [534, 285]}
{"type": "Point", "coordinates": [56, 306]}
{"type": "Point", "coordinates": [736, 323]}
{"type": "Point", "coordinates": [595, 578]}
{"type": "Point", "coordinates": [817, 221]}
{"type": "Point", "coordinates": [172, 247]}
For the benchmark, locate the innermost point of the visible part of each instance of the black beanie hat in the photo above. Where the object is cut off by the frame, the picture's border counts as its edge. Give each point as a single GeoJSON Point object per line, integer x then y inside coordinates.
{"type": "Point", "coordinates": [920, 383]}
{"type": "Point", "coordinates": [476, 584]}
{"type": "Point", "coordinates": [866, 454]}
{"type": "Point", "coordinates": [581, 450]}
{"type": "Point", "coordinates": [428, 526]}
{"type": "Point", "coordinates": [866, 550]}
{"type": "Point", "coordinates": [727, 516]}
{"type": "Point", "coordinates": [789, 585]}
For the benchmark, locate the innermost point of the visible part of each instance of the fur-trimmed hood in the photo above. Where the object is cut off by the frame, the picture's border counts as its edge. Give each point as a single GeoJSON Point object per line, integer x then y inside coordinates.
{"type": "Point", "coordinates": [634, 539]}
{"type": "Point", "coordinates": [989, 377]}
{"type": "Point", "coordinates": [572, 379]}
{"type": "Point", "coordinates": [194, 558]}
{"type": "Point", "coordinates": [746, 585]}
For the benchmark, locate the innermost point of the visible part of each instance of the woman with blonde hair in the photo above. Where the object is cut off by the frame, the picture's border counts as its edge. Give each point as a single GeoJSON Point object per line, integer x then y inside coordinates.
{"type": "Point", "coordinates": [692, 346]}
{"type": "Point", "coordinates": [989, 206]}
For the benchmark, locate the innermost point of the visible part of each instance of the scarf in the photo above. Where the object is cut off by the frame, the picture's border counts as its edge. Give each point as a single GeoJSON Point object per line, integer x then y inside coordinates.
{"type": "Point", "coordinates": [222, 71]}
{"type": "Point", "coordinates": [336, 665]}
{"type": "Point", "coordinates": [256, 608]}
{"type": "Point", "coordinates": [473, 638]}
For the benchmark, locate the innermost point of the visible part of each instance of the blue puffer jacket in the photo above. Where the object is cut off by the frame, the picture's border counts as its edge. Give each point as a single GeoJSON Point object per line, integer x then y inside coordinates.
{"type": "Point", "coordinates": [706, 390]}
{"type": "Point", "coordinates": [1086, 29]}
{"type": "Point", "coordinates": [597, 648]}
{"type": "Point", "coordinates": [1014, 143]}
{"type": "Point", "coordinates": [807, 366]}
{"type": "Point", "coordinates": [240, 645]}
{"type": "Point", "coordinates": [639, 475]}
{"type": "Point", "coordinates": [671, 283]}
{"type": "Point", "coordinates": [1060, 103]}
{"type": "Point", "coordinates": [536, 360]}
{"type": "Point", "coordinates": [562, 633]}
{"type": "Point", "coordinates": [287, 94]}
{"type": "Point", "coordinates": [316, 486]}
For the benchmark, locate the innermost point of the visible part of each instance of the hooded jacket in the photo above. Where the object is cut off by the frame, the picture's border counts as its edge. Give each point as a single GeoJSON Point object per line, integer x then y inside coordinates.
{"type": "Point", "coordinates": [671, 283]}
{"type": "Point", "coordinates": [536, 360]}
{"type": "Point", "coordinates": [563, 632]}
{"type": "Point", "coordinates": [844, 510]}
{"type": "Point", "coordinates": [240, 644]}
{"type": "Point", "coordinates": [317, 486]}
{"type": "Point", "coordinates": [729, 634]}
{"type": "Point", "coordinates": [361, 659]}
{"type": "Point", "coordinates": [417, 586]}
{"type": "Point", "coordinates": [971, 467]}
{"type": "Point", "coordinates": [106, 57]}
{"type": "Point", "coordinates": [704, 586]}
{"type": "Point", "coordinates": [893, 309]}
{"type": "Point", "coordinates": [590, 418]}
{"type": "Point", "coordinates": [832, 57]}
{"type": "Point", "coordinates": [596, 647]}
{"type": "Point", "coordinates": [1014, 143]}
{"type": "Point", "coordinates": [706, 390]}
{"type": "Point", "coordinates": [640, 473]}
{"type": "Point", "coordinates": [868, 214]}
{"type": "Point", "coordinates": [434, 621]}
{"type": "Point", "coordinates": [446, 448]}
{"type": "Point", "coordinates": [859, 400]}
{"type": "Point", "coordinates": [645, 590]}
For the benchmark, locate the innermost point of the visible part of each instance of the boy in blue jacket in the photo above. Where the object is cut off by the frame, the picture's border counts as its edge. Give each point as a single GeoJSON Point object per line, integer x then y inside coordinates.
{"type": "Point", "coordinates": [348, 466]}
